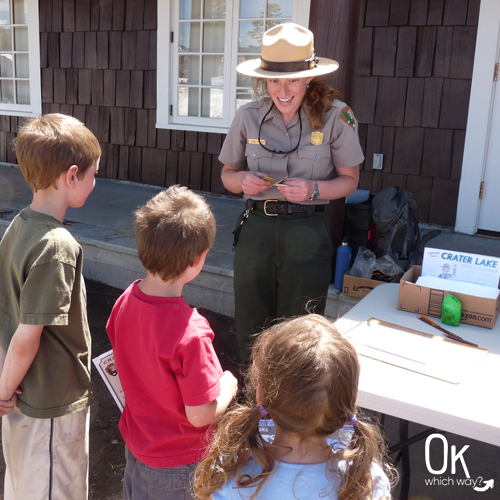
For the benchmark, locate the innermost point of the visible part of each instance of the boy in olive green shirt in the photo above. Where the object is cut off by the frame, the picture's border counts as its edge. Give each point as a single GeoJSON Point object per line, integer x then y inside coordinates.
{"type": "Point", "coordinates": [45, 386]}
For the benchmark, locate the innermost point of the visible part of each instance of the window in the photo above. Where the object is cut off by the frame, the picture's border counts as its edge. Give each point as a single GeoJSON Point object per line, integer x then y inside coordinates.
{"type": "Point", "coordinates": [20, 92]}
{"type": "Point", "coordinates": [200, 43]}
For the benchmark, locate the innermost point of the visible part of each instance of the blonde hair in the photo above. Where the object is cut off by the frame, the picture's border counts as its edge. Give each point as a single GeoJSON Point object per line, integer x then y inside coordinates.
{"type": "Point", "coordinates": [171, 230]}
{"type": "Point", "coordinates": [48, 146]}
{"type": "Point", "coordinates": [307, 375]}
{"type": "Point", "coordinates": [318, 96]}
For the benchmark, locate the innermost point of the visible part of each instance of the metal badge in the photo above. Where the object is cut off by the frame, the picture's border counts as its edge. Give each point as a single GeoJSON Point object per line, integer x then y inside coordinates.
{"type": "Point", "coordinates": [317, 138]}
{"type": "Point", "coordinates": [256, 141]}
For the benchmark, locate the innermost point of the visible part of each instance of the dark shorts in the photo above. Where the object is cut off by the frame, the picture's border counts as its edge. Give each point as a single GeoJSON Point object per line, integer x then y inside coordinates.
{"type": "Point", "coordinates": [142, 482]}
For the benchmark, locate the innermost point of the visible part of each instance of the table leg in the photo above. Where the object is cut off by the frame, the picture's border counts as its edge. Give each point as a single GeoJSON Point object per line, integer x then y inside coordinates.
{"type": "Point", "coordinates": [403, 447]}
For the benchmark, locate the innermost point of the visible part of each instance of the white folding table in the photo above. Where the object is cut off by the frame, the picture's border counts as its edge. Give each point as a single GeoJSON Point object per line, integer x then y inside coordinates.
{"type": "Point", "coordinates": [470, 408]}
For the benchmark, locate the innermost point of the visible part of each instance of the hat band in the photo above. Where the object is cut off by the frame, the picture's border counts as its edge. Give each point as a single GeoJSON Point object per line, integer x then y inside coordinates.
{"type": "Point", "coordinates": [286, 67]}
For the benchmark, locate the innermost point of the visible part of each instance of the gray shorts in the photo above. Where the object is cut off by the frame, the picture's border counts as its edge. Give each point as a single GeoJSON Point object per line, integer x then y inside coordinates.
{"type": "Point", "coordinates": [152, 483]}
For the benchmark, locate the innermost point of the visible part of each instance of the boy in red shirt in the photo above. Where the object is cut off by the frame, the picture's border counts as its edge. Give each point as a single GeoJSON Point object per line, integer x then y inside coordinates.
{"type": "Point", "coordinates": [172, 380]}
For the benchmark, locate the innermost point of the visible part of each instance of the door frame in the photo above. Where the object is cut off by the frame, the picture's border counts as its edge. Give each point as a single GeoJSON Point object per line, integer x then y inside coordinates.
{"type": "Point", "coordinates": [480, 107]}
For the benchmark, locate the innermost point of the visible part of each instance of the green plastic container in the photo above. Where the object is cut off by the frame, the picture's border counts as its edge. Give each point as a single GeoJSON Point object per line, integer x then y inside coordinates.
{"type": "Point", "coordinates": [451, 311]}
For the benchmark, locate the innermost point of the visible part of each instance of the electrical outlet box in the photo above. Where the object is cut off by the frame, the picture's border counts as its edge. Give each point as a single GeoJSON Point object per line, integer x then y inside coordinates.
{"type": "Point", "coordinates": [378, 161]}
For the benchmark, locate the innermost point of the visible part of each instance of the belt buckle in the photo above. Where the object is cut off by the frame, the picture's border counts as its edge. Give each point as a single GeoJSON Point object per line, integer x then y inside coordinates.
{"type": "Point", "coordinates": [265, 208]}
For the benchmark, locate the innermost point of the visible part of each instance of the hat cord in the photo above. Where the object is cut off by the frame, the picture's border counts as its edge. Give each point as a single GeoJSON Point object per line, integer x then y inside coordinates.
{"type": "Point", "coordinates": [274, 150]}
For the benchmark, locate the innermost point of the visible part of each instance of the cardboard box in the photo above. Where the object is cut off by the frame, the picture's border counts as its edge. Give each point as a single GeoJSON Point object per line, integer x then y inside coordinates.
{"type": "Point", "coordinates": [360, 287]}
{"type": "Point", "coordinates": [476, 311]}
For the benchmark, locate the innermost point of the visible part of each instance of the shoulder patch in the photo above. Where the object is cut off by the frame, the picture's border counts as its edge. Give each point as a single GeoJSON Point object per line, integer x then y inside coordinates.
{"type": "Point", "coordinates": [347, 116]}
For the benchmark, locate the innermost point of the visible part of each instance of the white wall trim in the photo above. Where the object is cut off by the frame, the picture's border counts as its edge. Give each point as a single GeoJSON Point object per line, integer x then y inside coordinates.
{"type": "Point", "coordinates": [479, 118]}
{"type": "Point", "coordinates": [163, 97]}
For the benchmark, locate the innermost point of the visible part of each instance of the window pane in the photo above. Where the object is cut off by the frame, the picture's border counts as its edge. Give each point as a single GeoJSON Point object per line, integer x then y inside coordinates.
{"type": "Point", "coordinates": [5, 38]}
{"type": "Point", "coordinates": [280, 8]}
{"type": "Point", "coordinates": [7, 91]}
{"type": "Point", "coordinates": [213, 70]}
{"type": "Point", "coordinates": [212, 103]}
{"type": "Point", "coordinates": [244, 80]}
{"type": "Point", "coordinates": [189, 37]}
{"type": "Point", "coordinates": [252, 8]}
{"type": "Point", "coordinates": [22, 66]}
{"type": "Point", "coordinates": [213, 37]}
{"type": "Point", "coordinates": [20, 12]}
{"type": "Point", "coordinates": [23, 92]}
{"type": "Point", "coordinates": [189, 70]}
{"type": "Point", "coordinates": [5, 12]}
{"type": "Point", "coordinates": [250, 39]}
{"type": "Point", "coordinates": [271, 23]}
{"type": "Point", "coordinates": [190, 9]}
{"type": "Point", "coordinates": [188, 100]}
{"type": "Point", "coordinates": [242, 97]}
{"type": "Point", "coordinates": [215, 9]}
{"type": "Point", "coordinates": [21, 38]}
{"type": "Point", "coordinates": [6, 66]}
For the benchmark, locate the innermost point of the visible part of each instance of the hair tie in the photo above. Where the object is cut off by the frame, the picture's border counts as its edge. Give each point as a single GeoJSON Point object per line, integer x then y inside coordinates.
{"type": "Point", "coordinates": [263, 411]}
{"type": "Point", "coordinates": [353, 420]}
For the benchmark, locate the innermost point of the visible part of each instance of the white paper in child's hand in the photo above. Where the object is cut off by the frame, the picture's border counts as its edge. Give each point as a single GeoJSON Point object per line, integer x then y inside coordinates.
{"type": "Point", "coordinates": [105, 364]}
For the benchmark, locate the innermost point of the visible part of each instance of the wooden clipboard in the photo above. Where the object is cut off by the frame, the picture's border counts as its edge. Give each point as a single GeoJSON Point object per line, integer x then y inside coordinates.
{"type": "Point", "coordinates": [417, 351]}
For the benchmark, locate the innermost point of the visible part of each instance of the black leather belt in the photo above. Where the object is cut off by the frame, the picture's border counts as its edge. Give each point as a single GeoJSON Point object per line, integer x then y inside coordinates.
{"type": "Point", "coordinates": [274, 208]}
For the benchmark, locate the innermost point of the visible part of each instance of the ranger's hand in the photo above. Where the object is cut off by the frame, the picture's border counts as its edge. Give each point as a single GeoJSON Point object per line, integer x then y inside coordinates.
{"type": "Point", "coordinates": [297, 189]}
{"type": "Point", "coordinates": [253, 183]}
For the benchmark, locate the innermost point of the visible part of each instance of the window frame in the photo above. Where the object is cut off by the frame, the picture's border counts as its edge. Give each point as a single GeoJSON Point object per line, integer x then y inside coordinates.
{"type": "Point", "coordinates": [35, 106]}
{"type": "Point", "coordinates": [167, 66]}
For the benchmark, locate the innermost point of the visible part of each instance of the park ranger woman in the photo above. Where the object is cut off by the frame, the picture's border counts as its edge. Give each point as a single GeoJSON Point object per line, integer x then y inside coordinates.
{"type": "Point", "coordinates": [289, 153]}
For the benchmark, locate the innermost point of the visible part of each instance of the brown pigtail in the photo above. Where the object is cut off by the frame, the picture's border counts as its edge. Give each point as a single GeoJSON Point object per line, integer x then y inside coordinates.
{"type": "Point", "coordinates": [367, 446]}
{"type": "Point", "coordinates": [236, 439]}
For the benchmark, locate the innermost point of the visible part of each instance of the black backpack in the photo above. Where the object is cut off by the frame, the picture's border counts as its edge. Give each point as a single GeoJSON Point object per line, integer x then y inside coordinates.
{"type": "Point", "coordinates": [396, 217]}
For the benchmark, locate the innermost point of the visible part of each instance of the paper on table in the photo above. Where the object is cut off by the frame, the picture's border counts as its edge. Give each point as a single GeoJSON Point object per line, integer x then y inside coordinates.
{"type": "Point", "coordinates": [486, 292]}
{"type": "Point", "coordinates": [105, 364]}
{"type": "Point", "coordinates": [416, 351]}
{"type": "Point", "coordinates": [461, 266]}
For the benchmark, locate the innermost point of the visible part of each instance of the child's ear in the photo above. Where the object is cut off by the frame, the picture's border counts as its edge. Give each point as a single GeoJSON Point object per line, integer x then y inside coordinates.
{"type": "Point", "coordinates": [200, 259]}
{"type": "Point", "coordinates": [71, 176]}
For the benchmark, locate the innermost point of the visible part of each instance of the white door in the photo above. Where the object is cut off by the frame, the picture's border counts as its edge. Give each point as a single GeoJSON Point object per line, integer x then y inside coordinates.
{"type": "Point", "coordinates": [482, 138]}
{"type": "Point", "coordinates": [489, 211]}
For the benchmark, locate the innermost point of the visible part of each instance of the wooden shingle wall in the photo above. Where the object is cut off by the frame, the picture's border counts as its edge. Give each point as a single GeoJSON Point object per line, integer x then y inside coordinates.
{"type": "Point", "coordinates": [98, 63]}
{"type": "Point", "coordinates": [414, 71]}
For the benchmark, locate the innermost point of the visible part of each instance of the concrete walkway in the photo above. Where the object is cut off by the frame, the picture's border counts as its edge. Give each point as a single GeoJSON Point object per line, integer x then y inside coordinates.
{"type": "Point", "coordinates": [104, 226]}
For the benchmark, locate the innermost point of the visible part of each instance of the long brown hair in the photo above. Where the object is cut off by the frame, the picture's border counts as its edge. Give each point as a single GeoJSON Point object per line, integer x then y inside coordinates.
{"type": "Point", "coordinates": [307, 375]}
{"type": "Point", "coordinates": [319, 96]}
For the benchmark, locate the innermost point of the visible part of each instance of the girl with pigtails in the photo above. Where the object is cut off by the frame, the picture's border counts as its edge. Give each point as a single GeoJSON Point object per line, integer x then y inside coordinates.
{"type": "Point", "coordinates": [304, 376]}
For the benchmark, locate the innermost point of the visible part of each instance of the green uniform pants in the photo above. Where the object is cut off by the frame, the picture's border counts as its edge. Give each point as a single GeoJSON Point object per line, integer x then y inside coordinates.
{"type": "Point", "coordinates": [282, 268]}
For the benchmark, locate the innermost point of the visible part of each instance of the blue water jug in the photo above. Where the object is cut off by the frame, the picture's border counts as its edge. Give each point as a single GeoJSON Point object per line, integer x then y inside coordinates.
{"type": "Point", "coordinates": [342, 264]}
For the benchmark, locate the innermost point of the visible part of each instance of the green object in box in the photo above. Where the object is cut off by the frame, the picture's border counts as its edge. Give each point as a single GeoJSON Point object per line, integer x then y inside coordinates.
{"type": "Point", "coordinates": [451, 311]}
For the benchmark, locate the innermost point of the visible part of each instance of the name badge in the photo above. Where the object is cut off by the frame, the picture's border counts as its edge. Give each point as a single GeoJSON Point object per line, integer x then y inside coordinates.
{"type": "Point", "coordinates": [317, 138]}
{"type": "Point", "coordinates": [256, 141]}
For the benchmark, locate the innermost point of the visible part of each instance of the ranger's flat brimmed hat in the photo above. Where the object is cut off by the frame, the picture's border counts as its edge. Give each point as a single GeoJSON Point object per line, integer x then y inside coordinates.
{"type": "Point", "coordinates": [287, 52]}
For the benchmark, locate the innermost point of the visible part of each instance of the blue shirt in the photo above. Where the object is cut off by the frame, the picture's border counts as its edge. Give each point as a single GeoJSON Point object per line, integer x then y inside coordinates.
{"type": "Point", "coordinates": [299, 482]}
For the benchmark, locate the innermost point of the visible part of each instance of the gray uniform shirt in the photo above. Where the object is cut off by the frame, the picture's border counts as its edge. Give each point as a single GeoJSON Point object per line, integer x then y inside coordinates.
{"type": "Point", "coordinates": [315, 158]}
